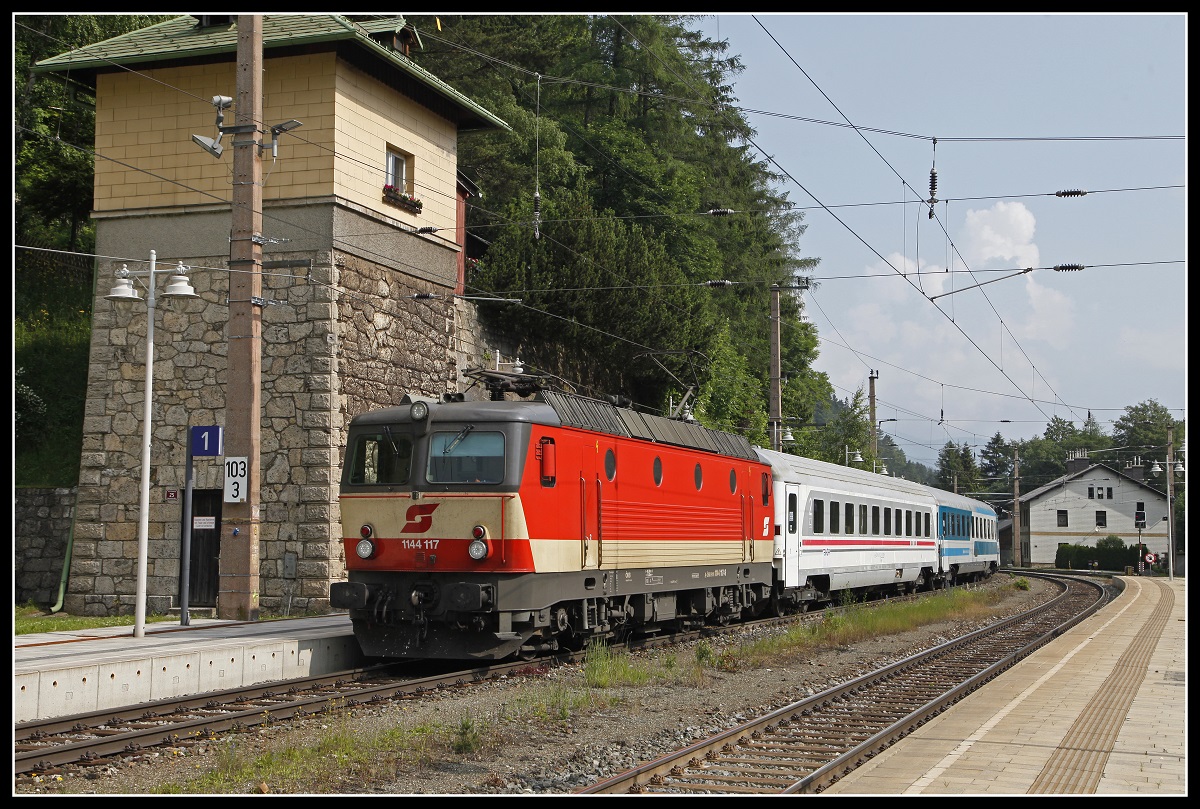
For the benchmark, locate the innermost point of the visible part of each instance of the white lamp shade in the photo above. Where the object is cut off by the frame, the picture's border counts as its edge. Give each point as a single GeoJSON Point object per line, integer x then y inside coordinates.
{"type": "Point", "coordinates": [178, 286]}
{"type": "Point", "coordinates": [123, 291]}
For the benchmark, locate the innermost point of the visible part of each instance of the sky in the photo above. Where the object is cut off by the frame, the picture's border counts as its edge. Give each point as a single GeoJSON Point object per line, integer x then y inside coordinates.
{"type": "Point", "coordinates": [964, 342]}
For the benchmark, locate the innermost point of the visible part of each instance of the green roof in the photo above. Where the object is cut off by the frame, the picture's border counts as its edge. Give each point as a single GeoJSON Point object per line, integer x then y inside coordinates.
{"type": "Point", "coordinates": [183, 39]}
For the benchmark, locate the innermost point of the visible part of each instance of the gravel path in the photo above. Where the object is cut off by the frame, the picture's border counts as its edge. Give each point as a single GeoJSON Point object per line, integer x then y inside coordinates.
{"type": "Point", "coordinates": [543, 733]}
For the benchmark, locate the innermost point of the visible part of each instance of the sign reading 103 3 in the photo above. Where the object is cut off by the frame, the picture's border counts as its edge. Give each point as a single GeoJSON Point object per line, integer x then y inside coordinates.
{"type": "Point", "coordinates": [236, 472]}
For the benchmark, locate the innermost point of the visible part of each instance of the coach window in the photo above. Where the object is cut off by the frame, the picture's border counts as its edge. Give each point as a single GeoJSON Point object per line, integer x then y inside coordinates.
{"type": "Point", "coordinates": [926, 523]}
{"type": "Point", "coordinates": [875, 520]}
{"type": "Point", "coordinates": [887, 522]}
{"type": "Point", "coordinates": [1101, 519]}
{"type": "Point", "coordinates": [835, 517]}
{"type": "Point", "coordinates": [1062, 518]}
{"type": "Point", "coordinates": [658, 471]}
{"type": "Point", "coordinates": [907, 523]}
{"type": "Point", "coordinates": [733, 481]}
{"type": "Point", "coordinates": [862, 518]}
{"type": "Point", "coordinates": [899, 522]}
{"type": "Point", "coordinates": [818, 516]}
{"type": "Point", "coordinates": [791, 513]}
{"type": "Point", "coordinates": [849, 518]}
{"type": "Point", "coordinates": [699, 476]}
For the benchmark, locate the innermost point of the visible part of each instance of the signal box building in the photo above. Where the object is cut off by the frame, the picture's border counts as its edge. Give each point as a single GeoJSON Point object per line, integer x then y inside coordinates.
{"type": "Point", "coordinates": [363, 249]}
{"type": "Point", "coordinates": [1090, 502]}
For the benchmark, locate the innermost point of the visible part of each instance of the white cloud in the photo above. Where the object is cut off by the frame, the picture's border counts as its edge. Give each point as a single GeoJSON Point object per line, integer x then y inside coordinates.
{"type": "Point", "coordinates": [1002, 233]}
{"type": "Point", "coordinates": [1049, 315]}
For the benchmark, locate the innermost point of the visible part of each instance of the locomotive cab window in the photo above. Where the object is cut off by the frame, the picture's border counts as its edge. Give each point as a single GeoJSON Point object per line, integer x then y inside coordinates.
{"type": "Point", "coordinates": [466, 456]}
{"type": "Point", "coordinates": [380, 459]}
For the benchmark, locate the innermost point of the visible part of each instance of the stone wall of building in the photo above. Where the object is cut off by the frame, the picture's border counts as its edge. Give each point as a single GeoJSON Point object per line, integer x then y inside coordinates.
{"type": "Point", "coordinates": [41, 533]}
{"type": "Point", "coordinates": [344, 330]}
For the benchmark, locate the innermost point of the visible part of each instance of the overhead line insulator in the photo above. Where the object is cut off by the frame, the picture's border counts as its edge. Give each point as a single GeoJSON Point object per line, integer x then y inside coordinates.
{"type": "Point", "coordinates": [1073, 192]}
{"type": "Point", "coordinates": [1068, 267]}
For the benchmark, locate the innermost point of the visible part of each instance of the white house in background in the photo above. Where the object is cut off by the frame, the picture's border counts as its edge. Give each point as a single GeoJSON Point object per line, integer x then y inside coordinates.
{"type": "Point", "coordinates": [1090, 502]}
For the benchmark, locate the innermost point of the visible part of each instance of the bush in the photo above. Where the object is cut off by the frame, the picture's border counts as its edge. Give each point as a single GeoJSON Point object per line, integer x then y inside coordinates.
{"type": "Point", "coordinates": [30, 418]}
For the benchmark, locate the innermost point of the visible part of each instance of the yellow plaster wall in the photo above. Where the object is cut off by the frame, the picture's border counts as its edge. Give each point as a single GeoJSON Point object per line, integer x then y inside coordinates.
{"type": "Point", "coordinates": [146, 158]}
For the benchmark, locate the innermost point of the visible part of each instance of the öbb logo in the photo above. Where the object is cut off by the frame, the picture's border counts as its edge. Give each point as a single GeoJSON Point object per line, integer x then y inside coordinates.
{"type": "Point", "coordinates": [420, 518]}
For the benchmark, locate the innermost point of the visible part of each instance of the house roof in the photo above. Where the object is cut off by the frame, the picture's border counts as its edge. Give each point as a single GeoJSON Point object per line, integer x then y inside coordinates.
{"type": "Point", "coordinates": [184, 40]}
{"type": "Point", "coordinates": [1058, 482]}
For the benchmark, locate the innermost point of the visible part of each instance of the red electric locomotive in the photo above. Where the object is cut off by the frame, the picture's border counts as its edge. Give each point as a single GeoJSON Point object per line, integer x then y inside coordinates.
{"type": "Point", "coordinates": [486, 529]}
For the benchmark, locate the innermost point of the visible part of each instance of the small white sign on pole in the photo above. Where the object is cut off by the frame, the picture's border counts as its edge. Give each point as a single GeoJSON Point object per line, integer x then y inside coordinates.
{"type": "Point", "coordinates": [236, 473]}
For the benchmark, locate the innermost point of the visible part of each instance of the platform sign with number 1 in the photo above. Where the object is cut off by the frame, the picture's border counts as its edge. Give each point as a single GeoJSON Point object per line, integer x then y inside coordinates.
{"type": "Point", "coordinates": [236, 472]}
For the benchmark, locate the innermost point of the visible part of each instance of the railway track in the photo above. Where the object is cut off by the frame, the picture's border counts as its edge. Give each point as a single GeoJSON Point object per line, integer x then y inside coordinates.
{"type": "Point", "coordinates": [54, 746]}
{"type": "Point", "coordinates": [808, 745]}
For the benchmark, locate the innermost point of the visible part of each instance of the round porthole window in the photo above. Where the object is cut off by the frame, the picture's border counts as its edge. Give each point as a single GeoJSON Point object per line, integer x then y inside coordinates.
{"type": "Point", "coordinates": [733, 481]}
{"type": "Point", "coordinates": [610, 464]}
{"type": "Point", "coordinates": [699, 477]}
{"type": "Point", "coordinates": [658, 471]}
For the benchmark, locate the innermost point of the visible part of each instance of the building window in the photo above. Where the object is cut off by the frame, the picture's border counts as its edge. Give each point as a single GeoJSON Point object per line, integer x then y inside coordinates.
{"type": "Point", "coordinates": [398, 174]}
{"type": "Point", "coordinates": [1062, 518]}
{"type": "Point", "coordinates": [1109, 493]}
{"type": "Point", "coordinates": [1101, 519]}
{"type": "Point", "coordinates": [1091, 492]}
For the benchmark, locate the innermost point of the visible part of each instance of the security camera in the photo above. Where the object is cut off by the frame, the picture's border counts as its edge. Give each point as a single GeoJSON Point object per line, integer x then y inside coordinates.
{"type": "Point", "coordinates": [222, 102]}
{"type": "Point", "coordinates": [213, 147]}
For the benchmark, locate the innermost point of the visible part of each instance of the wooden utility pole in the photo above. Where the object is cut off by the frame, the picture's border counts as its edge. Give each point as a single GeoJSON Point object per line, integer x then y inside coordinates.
{"type": "Point", "coordinates": [237, 596]}
{"type": "Point", "coordinates": [776, 374]}
{"type": "Point", "coordinates": [1016, 523]}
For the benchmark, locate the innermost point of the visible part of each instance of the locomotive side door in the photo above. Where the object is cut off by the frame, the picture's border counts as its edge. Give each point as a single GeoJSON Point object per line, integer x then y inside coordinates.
{"type": "Point", "coordinates": [589, 506]}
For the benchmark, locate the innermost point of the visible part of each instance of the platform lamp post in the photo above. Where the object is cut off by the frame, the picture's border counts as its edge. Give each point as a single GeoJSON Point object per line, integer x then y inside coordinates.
{"type": "Point", "coordinates": [858, 458]}
{"type": "Point", "coordinates": [1173, 467]}
{"type": "Point", "coordinates": [122, 295]}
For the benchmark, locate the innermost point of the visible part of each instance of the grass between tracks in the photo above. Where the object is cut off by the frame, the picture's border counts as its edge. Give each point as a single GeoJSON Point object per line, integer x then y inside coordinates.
{"type": "Point", "coordinates": [343, 757]}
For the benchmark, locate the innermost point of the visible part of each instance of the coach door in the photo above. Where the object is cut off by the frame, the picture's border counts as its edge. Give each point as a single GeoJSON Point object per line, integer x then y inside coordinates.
{"type": "Point", "coordinates": [206, 547]}
{"type": "Point", "coordinates": [793, 520]}
{"type": "Point", "coordinates": [589, 507]}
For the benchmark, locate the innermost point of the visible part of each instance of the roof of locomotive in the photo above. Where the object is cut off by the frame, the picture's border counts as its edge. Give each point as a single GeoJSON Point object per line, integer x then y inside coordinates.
{"type": "Point", "coordinates": [571, 410]}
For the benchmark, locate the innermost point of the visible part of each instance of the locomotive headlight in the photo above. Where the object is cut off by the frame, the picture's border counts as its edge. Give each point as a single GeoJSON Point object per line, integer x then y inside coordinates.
{"type": "Point", "coordinates": [365, 549]}
{"type": "Point", "coordinates": [418, 411]}
{"type": "Point", "coordinates": [478, 549]}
